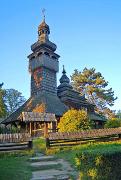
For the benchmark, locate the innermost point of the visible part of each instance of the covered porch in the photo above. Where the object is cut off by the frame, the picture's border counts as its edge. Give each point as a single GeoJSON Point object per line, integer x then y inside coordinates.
{"type": "Point", "coordinates": [38, 124]}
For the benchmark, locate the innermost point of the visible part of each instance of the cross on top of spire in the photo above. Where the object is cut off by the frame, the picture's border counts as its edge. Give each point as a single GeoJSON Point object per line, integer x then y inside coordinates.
{"type": "Point", "coordinates": [64, 72]}
{"type": "Point", "coordinates": [43, 13]}
{"type": "Point", "coordinates": [43, 29]}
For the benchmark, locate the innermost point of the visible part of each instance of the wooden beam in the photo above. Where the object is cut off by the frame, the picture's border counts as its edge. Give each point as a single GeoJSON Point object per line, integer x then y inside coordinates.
{"type": "Point", "coordinates": [30, 128]}
{"type": "Point", "coordinates": [45, 129]}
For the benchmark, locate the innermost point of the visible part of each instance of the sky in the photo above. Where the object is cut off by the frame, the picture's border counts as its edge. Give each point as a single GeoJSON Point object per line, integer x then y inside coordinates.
{"type": "Point", "coordinates": [87, 34]}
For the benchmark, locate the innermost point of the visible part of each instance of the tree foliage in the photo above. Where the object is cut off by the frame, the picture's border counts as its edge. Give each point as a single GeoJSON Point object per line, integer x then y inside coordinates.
{"type": "Point", "coordinates": [93, 85]}
{"type": "Point", "coordinates": [109, 113]}
{"type": "Point", "coordinates": [113, 123]}
{"type": "Point", "coordinates": [118, 114]}
{"type": "Point", "coordinates": [2, 104]}
{"type": "Point", "coordinates": [74, 120]}
{"type": "Point", "coordinates": [13, 100]}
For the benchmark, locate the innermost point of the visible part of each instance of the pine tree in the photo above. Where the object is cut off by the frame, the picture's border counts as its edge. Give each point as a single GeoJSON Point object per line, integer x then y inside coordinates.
{"type": "Point", "coordinates": [94, 86]}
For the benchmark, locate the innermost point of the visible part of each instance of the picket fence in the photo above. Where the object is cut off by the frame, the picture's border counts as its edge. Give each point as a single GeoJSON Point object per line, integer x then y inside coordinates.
{"type": "Point", "coordinates": [14, 138]}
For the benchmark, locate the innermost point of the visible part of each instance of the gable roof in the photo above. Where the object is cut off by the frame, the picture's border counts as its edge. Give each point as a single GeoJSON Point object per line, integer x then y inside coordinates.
{"type": "Point", "coordinates": [96, 117]}
{"type": "Point", "coordinates": [42, 102]}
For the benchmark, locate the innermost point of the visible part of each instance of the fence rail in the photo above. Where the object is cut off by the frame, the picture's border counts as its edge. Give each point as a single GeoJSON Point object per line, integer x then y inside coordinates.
{"type": "Point", "coordinates": [74, 138]}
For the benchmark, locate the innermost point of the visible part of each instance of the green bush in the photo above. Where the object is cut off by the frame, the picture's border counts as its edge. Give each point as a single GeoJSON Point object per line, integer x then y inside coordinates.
{"type": "Point", "coordinates": [99, 167]}
{"type": "Point", "coordinates": [98, 161]}
{"type": "Point", "coordinates": [113, 123]}
{"type": "Point", "coordinates": [74, 120]}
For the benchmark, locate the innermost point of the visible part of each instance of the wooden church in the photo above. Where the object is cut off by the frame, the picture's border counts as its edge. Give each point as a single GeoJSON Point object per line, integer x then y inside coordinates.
{"type": "Point", "coordinates": [46, 97]}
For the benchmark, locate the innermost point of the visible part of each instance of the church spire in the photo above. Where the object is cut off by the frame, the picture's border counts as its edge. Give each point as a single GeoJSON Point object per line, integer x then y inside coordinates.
{"type": "Point", "coordinates": [64, 72]}
{"type": "Point", "coordinates": [64, 78]}
{"type": "Point", "coordinates": [64, 81]}
{"type": "Point", "coordinates": [43, 62]}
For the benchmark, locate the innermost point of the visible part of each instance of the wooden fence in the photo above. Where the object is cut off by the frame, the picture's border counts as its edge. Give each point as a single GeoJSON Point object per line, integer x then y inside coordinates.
{"type": "Point", "coordinates": [74, 138]}
{"type": "Point", "coordinates": [17, 137]}
{"type": "Point", "coordinates": [17, 141]}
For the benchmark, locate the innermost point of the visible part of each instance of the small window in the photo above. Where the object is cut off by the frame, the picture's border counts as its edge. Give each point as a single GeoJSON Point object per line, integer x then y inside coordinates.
{"type": "Point", "coordinates": [32, 57]}
{"type": "Point", "coordinates": [54, 57]}
{"type": "Point", "coordinates": [46, 53]}
{"type": "Point", "coordinates": [40, 53]}
{"type": "Point", "coordinates": [39, 33]}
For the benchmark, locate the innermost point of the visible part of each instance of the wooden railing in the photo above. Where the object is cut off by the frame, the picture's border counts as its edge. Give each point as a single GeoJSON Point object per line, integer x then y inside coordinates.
{"type": "Point", "coordinates": [74, 138]}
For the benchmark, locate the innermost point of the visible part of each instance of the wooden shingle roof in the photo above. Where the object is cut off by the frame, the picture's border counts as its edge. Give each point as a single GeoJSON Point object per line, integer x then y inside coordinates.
{"type": "Point", "coordinates": [96, 117]}
{"type": "Point", "coordinates": [42, 102]}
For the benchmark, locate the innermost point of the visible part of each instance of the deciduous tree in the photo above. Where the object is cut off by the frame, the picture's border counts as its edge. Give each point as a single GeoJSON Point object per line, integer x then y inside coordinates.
{"type": "Point", "coordinates": [2, 104]}
{"type": "Point", "coordinates": [113, 123]}
{"type": "Point", "coordinates": [13, 100]}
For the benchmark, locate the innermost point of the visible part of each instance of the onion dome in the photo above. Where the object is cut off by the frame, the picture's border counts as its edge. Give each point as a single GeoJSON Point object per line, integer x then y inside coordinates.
{"type": "Point", "coordinates": [43, 28]}
{"type": "Point", "coordinates": [43, 38]}
{"type": "Point", "coordinates": [43, 32]}
{"type": "Point", "coordinates": [64, 81]}
{"type": "Point", "coordinates": [64, 78]}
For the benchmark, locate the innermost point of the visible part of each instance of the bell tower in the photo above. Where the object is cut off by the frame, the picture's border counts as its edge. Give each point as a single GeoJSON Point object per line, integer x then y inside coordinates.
{"type": "Point", "coordinates": [43, 62]}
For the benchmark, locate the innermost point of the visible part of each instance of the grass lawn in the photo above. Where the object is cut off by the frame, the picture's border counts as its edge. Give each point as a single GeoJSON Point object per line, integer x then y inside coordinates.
{"type": "Point", "coordinates": [14, 168]}
{"type": "Point", "coordinates": [69, 153]}
{"type": "Point", "coordinates": [39, 145]}
{"type": "Point", "coordinates": [97, 161]}
{"type": "Point", "coordinates": [100, 148]}
{"type": "Point", "coordinates": [15, 165]}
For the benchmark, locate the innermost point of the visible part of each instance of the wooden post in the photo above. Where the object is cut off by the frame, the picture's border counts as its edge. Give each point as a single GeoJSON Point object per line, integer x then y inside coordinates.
{"type": "Point", "coordinates": [26, 127]}
{"type": "Point", "coordinates": [34, 128]}
{"type": "Point", "coordinates": [30, 128]}
{"type": "Point", "coordinates": [45, 129]}
{"type": "Point", "coordinates": [119, 135]}
{"type": "Point", "coordinates": [30, 144]}
{"type": "Point", "coordinates": [47, 143]}
{"type": "Point", "coordinates": [54, 126]}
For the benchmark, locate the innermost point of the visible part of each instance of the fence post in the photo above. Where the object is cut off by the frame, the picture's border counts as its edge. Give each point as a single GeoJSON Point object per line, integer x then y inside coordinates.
{"type": "Point", "coordinates": [30, 128]}
{"type": "Point", "coordinates": [45, 129]}
{"type": "Point", "coordinates": [30, 144]}
{"type": "Point", "coordinates": [47, 142]}
{"type": "Point", "coordinates": [119, 135]}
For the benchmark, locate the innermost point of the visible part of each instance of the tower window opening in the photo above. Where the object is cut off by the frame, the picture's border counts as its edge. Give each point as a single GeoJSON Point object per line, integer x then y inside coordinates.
{"type": "Point", "coordinates": [54, 57]}
{"type": "Point", "coordinates": [46, 53]}
{"type": "Point", "coordinates": [40, 53]}
{"type": "Point", "coordinates": [32, 57]}
{"type": "Point", "coordinates": [39, 33]}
